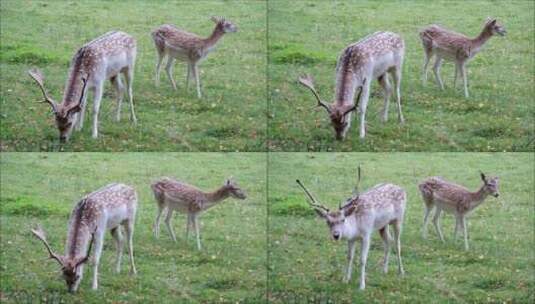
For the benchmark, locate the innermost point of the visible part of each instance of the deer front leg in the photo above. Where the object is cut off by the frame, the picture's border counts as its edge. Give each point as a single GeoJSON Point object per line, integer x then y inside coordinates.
{"type": "Point", "coordinates": [129, 227]}
{"type": "Point", "coordinates": [197, 231]}
{"type": "Point", "coordinates": [159, 68]}
{"type": "Point", "coordinates": [365, 247]}
{"type": "Point", "coordinates": [465, 230]}
{"type": "Point", "coordinates": [157, 222]}
{"type": "Point", "coordinates": [188, 76]}
{"type": "Point", "coordinates": [436, 71]}
{"type": "Point", "coordinates": [118, 237]}
{"type": "Point", "coordinates": [195, 68]}
{"type": "Point", "coordinates": [169, 71]}
{"type": "Point", "coordinates": [96, 108]}
{"type": "Point", "coordinates": [426, 63]}
{"type": "Point", "coordinates": [363, 105]}
{"type": "Point", "coordinates": [436, 223]}
{"type": "Point", "coordinates": [350, 255]}
{"type": "Point", "coordinates": [428, 209]}
{"type": "Point", "coordinates": [99, 239]}
{"type": "Point", "coordinates": [457, 223]}
{"type": "Point", "coordinates": [188, 225]}
{"type": "Point", "coordinates": [465, 81]}
{"type": "Point", "coordinates": [168, 223]}
{"type": "Point", "coordinates": [81, 114]}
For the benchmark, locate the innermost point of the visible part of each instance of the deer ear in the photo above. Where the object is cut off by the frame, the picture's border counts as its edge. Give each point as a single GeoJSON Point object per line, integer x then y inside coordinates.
{"type": "Point", "coordinates": [215, 19]}
{"type": "Point", "coordinates": [349, 210]}
{"type": "Point", "coordinates": [75, 109]}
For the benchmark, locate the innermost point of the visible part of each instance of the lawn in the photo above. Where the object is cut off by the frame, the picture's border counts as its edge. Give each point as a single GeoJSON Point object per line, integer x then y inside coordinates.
{"type": "Point", "coordinates": [46, 34]}
{"type": "Point", "coordinates": [308, 36]}
{"type": "Point", "coordinates": [41, 188]}
{"type": "Point", "coordinates": [306, 265]}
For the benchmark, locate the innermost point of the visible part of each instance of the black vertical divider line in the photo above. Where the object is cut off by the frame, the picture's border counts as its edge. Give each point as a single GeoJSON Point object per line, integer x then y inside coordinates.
{"type": "Point", "coordinates": [267, 153]}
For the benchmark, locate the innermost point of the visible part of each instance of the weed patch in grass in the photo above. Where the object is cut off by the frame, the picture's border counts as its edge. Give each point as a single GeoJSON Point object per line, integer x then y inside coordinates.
{"type": "Point", "coordinates": [297, 54]}
{"type": "Point", "coordinates": [29, 55]}
{"type": "Point", "coordinates": [27, 206]}
{"type": "Point", "coordinates": [291, 206]}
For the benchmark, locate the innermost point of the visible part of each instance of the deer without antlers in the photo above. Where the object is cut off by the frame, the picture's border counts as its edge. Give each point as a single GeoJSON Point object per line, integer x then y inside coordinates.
{"type": "Point", "coordinates": [375, 56]}
{"type": "Point", "coordinates": [106, 57]}
{"type": "Point", "coordinates": [359, 216]}
{"type": "Point", "coordinates": [444, 44]}
{"type": "Point", "coordinates": [105, 209]}
{"type": "Point", "coordinates": [452, 198]}
{"type": "Point", "coordinates": [176, 43]}
{"type": "Point", "coordinates": [177, 196]}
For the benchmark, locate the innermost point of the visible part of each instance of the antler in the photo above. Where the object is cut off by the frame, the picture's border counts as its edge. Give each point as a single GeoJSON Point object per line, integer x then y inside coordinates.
{"type": "Point", "coordinates": [483, 177]}
{"type": "Point", "coordinates": [353, 108]}
{"type": "Point", "coordinates": [86, 258]}
{"type": "Point", "coordinates": [36, 75]}
{"type": "Point", "coordinates": [217, 19]}
{"type": "Point", "coordinates": [40, 234]}
{"type": "Point", "coordinates": [315, 204]}
{"type": "Point", "coordinates": [308, 82]}
{"type": "Point", "coordinates": [356, 189]}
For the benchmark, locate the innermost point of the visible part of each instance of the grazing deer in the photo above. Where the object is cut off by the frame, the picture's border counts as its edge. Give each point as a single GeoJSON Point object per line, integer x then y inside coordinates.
{"type": "Point", "coordinates": [374, 56]}
{"type": "Point", "coordinates": [103, 58]}
{"type": "Point", "coordinates": [105, 209]}
{"type": "Point", "coordinates": [177, 196]}
{"type": "Point", "coordinates": [375, 209]}
{"type": "Point", "coordinates": [443, 195]}
{"type": "Point", "coordinates": [176, 43]}
{"type": "Point", "coordinates": [444, 44]}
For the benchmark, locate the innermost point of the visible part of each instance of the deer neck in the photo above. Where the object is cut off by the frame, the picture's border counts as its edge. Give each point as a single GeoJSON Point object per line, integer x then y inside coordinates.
{"type": "Point", "coordinates": [346, 85]}
{"type": "Point", "coordinates": [478, 197]}
{"type": "Point", "coordinates": [212, 40]}
{"type": "Point", "coordinates": [215, 197]}
{"type": "Point", "coordinates": [481, 39]}
{"type": "Point", "coordinates": [73, 88]}
{"type": "Point", "coordinates": [77, 240]}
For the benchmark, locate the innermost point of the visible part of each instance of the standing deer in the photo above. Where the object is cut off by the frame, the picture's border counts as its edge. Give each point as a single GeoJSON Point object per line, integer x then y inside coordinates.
{"type": "Point", "coordinates": [176, 43]}
{"type": "Point", "coordinates": [103, 58]}
{"type": "Point", "coordinates": [105, 209]}
{"type": "Point", "coordinates": [375, 209]}
{"type": "Point", "coordinates": [444, 44]}
{"type": "Point", "coordinates": [374, 56]}
{"type": "Point", "coordinates": [443, 195]}
{"type": "Point", "coordinates": [177, 196]}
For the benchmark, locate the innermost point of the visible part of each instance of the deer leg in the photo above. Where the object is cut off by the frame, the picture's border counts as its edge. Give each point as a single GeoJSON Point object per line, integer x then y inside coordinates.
{"type": "Point", "coordinates": [129, 76]}
{"type": "Point", "coordinates": [465, 232]}
{"type": "Point", "coordinates": [428, 209]}
{"type": "Point", "coordinates": [350, 255]}
{"type": "Point", "coordinates": [426, 63]}
{"type": "Point", "coordinates": [159, 67]}
{"type": "Point", "coordinates": [129, 227]}
{"type": "Point", "coordinates": [465, 81]}
{"type": "Point", "coordinates": [397, 236]}
{"type": "Point", "coordinates": [396, 74]}
{"type": "Point", "coordinates": [457, 71]}
{"type": "Point", "coordinates": [365, 247]}
{"type": "Point", "coordinates": [169, 70]}
{"type": "Point", "coordinates": [362, 107]}
{"type": "Point", "coordinates": [157, 222]}
{"type": "Point", "coordinates": [188, 76]}
{"type": "Point", "coordinates": [118, 237]}
{"type": "Point", "coordinates": [99, 238]}
{"type": "Point", "coordinates": [168, 223]}
{"type": "Point", "coordinates": [436, 222]}
{"type": "Point", "coordinates": [81, 114]}
{"type": "Point", "coordinates": [436, 70]}
{"type": "Point", "coordinates": [197, 231]}
{"type": "Point", "coordinates": [188, 225]}
{"type": "Point", "coordinates": [195, 68]}
{"type": "Point", "coordinates": [457, 223]}
{"type": "Point", "coordinates": [119, 88]}
{"type": "Point", "coordinates": [387, 91]}
{"type": "Point", "coordinates": [385, 236]}
{"type": "Point", "coordinates": [96, 108]}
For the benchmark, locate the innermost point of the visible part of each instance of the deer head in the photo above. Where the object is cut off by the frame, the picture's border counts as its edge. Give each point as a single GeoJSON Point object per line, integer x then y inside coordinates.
{"type": "Point", "coordinates": [493, 27]}
{"type": "Point", "coordinates": [234, 190]}
{"type": "Point", "coordinates": [490, 186]}
{"type": "Point", "coordinates": [338, 113]}
{"type": "Point", "coordinates": [72, 272]}
{"type": "Point", "coordinates": [336, 220]}
{"type": "Point", "coordinates": [63, 112]}
{"type": "Point", "coordinates": [224, 25]}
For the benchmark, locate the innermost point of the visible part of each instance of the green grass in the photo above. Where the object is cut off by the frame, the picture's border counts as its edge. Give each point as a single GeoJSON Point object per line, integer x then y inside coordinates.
{"type": "Point", "coordinates": [46, 34]}
{"type": "Point", "coordinates": [306, 264]}
{"type": "Point", "coordinates": [42, 188]}
{"type": "Point", "coordinates": [308, 36]}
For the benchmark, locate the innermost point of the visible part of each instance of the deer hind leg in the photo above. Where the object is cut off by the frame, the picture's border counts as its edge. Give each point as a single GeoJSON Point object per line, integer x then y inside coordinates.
{"type": "Point", "coordinates": [387, 92]}
{"type": "Point", "coordinates": [129, 76]}
{"type": "Point", "coordinates": [169, 70]}
{"type": "Point", "coordinates": [129, 227]}
{"type": "Point", "coordinates": [168, 223]}
{"type": "Point", "coordinates": [96, 107]}
{"type": "Point", "coordinates": [436, 223]}
{"type": "Point", "coordinates": [397, 238]}
{"type": "Point", "coordinates": [118, 237]}
{"type": "Point", "coordinates": [386, 237]}
{"type": "Point", "coordinates": [350, 256]}
{"type": "Point", "coordinates": [365, 247]}
{"type": "Point", "coordinates": [99, 239]}
{"type": "Point", "coordinates": [119, 88]}
{"type": "Point", "coordinates": [436, 70]}
{"type": "Point", "coordinates": [396, 74]}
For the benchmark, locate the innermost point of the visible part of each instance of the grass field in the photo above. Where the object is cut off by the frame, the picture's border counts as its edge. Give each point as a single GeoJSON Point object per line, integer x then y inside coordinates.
{"type": "Point", "coordinates": [230, 268]}
{"type": "Point", "coordinates": [46, 34]}
{"type": "Point", "coordinates": [308, 36]}
{"type": "Point", "coordinates": [306, 266]}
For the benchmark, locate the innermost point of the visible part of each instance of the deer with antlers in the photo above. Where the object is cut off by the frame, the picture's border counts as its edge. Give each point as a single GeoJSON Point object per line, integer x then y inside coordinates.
{"type": "Point", "coordinates": [445, 44]}
{"type": "Point", "coordinates": [452, 198]}
{"type": "Point", "coordinates": [373, 57]}
{"type": "Point", "coordinates": [105, 209]}
{"type": "Point", "coordinates": [106, 57]}
{"type": "Point", "coordinates": [359, 216]}
{"type": "Point", "coordinates": [177, 196]}
{"type": "Point", "coordinates": [176, 43]}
